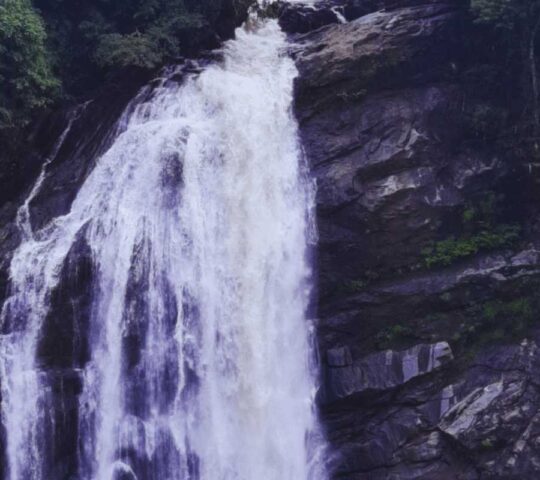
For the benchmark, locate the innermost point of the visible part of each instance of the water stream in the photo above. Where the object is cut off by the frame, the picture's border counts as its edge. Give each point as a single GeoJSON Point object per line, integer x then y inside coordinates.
{"type": "Point", "coordinates": [200, 222]}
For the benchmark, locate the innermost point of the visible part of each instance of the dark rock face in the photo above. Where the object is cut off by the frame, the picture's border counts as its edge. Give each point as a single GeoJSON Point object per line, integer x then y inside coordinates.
{"type": "Point", "coordinates": [89, 136]}
{"type": "Point", "coordinates": [304, 18]}
{"type": "Point", "coordinates": [428, 368]}
{"type": "Point", "coordinates": [62, 351]}
{"type": "Point", "coordinates": [90, 133]}
{"type": "Point", "coordinates": [232, 14]}
{"type": "Point", "coordinates": [65, 333]}
{"type": "Point", "coordinates": [387, 159]}
{"type": "Point", "coordinates": [94, 126]}
{"type": "Point", "coordinates": [483, 424]}
{"type": "Point", "coordinates": [379, 371]}
{"type": "Point", "coordinates": [495, 416]}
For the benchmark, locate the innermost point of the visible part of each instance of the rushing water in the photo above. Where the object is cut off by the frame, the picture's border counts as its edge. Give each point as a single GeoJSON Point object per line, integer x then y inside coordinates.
{"type": "Point", "coordinates": [199, 219]}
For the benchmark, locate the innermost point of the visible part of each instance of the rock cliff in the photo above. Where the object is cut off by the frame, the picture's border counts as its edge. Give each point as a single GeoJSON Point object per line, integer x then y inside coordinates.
{"type": "Point", "coordinates": [427, 333]}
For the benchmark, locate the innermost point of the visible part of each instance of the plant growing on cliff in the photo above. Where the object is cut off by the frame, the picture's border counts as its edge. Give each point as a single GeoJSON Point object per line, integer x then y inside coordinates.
{"type": "Point", "coordinates": [519, 19]}
{"type": "Point", "coordinates": [446, 252]}
{"type": "Point", "coordinates": [28, 83]}
{"type": "Point", "coordinates": [395, 334]}
{"type": "Point", "coordinates": [115, 50]}
{"type": "Point", "coordinates": [481, 229]}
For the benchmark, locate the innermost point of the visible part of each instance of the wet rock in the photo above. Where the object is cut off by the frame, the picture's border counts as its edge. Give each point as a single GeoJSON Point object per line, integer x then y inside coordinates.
{"type": "Point", "coordinates": [384, 151]}
{"type": "Point", "coordinates": [339, 357]}
{"type": "Point", "coordinates": [60, 393]}
{"type": "Point", "coordinates": [385, 132]}
{"type": "Point", "coordinates": [374, 51]}
{"type": "Point", "coordinates": [486, 425]}
{"type": "Point", "coordinates": [301, 18]}
{"type": "Point", "coordinates": [381, 371]}
{"type": "Point", "coordinates": [426, 304]}
{"type": "Point", "coordinates": [464, 416]}
{"type": "Point", "coordinates": [497, 419]}
{"type": "Point", "coordinates": [134, 457]}
{"type": "Point", "coordinates": [89, 136]}
{"type": "Point", "coordinates": [65, 335]}
{"type": "Point", "coordinates": [139, 381]}
{"type": "Point", "coordinates": [232, 14]}
{"type": "Point", "coordinates": [122, 471]}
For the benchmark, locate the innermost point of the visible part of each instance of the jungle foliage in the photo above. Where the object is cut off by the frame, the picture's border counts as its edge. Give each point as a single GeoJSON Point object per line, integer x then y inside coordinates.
{"type": "Point", "coordinates": [517, 23]}
{"type": "Point", "coordinates": [26, 75]}
{"type": "Point", "coordinates": [53, 48]}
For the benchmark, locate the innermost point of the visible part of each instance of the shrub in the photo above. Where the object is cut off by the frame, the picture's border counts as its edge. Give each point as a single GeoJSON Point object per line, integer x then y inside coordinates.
{"type": "Point", "coordinates": [446, 252]}
{"type": "Point", "coordinates": [28, 83]}
{"type": "Point", "coordinates": [135, 49]}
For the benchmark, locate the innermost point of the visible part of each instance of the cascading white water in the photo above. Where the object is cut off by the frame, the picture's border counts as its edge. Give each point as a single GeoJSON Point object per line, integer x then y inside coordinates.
{"type": "Point", "coordinates": [199, 218]}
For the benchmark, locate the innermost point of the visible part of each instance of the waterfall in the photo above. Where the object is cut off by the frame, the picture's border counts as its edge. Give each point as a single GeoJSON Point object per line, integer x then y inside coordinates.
{"type": "Point", "coordinates": [199, 219]}
{"type": "Point", "coordinates": [23, 214]}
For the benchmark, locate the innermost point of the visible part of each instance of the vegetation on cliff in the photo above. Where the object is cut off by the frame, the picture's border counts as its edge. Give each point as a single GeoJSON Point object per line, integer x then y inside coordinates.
{"type": "Point", "coordinates": [517, 22]}
{"type": "Point", "coordinates": [53, 48]}
{"type": "Point", "coordinates": [26, 75]}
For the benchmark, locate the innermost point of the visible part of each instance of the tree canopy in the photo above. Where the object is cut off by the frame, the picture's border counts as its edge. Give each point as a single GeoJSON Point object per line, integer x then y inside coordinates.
{"type": "Point", "coordinates": [521, 18]}
{"type": "Point", "coordinates": [52, 47]}
{"type": "Point", "coordinates": [28, 83]}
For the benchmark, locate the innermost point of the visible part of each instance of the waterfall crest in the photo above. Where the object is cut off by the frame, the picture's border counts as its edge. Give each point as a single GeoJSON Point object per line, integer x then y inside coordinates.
{"type": "Point", "coordinates": [199, 223]}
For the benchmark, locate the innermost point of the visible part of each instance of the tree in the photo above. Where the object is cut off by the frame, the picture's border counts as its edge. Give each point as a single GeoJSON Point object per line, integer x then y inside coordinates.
{"type": "Point", "coordinates": [522, 19]}
{"type": "Point", "coordinates": [28, 83]}
{"type": "Point", "coordinates": [135, 49]}
{"type": "Point", "coordinates": [91, 37]}
{"type": "Point", "coordinates": [81, 41]}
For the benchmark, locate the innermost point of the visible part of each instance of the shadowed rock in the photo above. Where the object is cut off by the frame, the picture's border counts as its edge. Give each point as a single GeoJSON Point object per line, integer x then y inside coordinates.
{"type": "Point", "coordinates": [380, 371]}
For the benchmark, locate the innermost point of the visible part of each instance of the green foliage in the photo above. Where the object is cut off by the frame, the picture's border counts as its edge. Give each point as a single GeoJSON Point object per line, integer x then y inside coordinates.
{"type": "Point", "coordinates": [507, 319]}
{"type": "Point", "coordinates": [481, 232]}
{"type": "Point", "coordinates": [506, 14]}
{"type": "Point", "coordinates": [468, 215]}
{"type": "Point", "coordinates": [451, 249]}
{"type": "Point", "coordinates": [496, 321]}
{"type": "Point", "coordinates": [520, 308]}
{"type": "Point", "coordinates": [359, 284]}
{"type": "Point", "coordinates": [135, 49]}
{"type": "Point", "coordinates": [391, 335]}
{"type": "Point", "coordinates": [90, 36]}
{"type": "Point", "coordinates": [354, 286]}
{"type": "Point", "coordinates": [487, 444]}
{"type": "Point", "coordinates": [28, 83]}
{"type": "Point", "coordinates": [517, 25]}
{"type": "Point", "coordinates": [493, 11]}
{"type": "Point", "coordinates": [485, 120]}
{"type": "Point", "coordinates": [42, 41]}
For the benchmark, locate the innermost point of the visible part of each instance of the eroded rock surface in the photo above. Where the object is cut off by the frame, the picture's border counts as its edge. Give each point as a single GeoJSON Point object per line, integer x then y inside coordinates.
{"type": "Point", "coordinates": [380, 371]}
{"type": "Point", "coordinates": [428, 361]}
{"type": "Point", "coordinates": [478, 424]}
